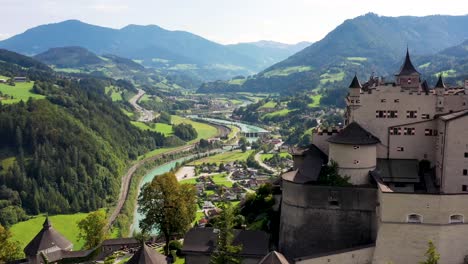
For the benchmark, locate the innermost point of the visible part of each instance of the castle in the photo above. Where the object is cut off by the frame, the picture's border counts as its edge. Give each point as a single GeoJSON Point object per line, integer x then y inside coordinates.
{"type": "Point", "coordinates": [405, 151]}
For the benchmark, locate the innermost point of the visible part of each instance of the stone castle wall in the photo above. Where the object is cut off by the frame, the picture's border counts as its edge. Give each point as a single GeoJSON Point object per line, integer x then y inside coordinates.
{"type": "Point", "coordinates": [319, 219]}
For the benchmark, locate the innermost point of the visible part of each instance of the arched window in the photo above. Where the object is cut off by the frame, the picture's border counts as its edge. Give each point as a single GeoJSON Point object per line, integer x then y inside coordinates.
{"type": "Point", "coordinates": [414, 218]}
{"type": "Point", "coordinates": [456, 219]}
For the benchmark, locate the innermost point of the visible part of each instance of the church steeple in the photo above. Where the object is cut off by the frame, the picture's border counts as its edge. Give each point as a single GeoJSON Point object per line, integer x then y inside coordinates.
{"type": "Point", "coordinates": [407, 68]}
{"type": "Point", "coordinates": [355, 83]}
{"type": "Point", "coordinates": [440, 83]}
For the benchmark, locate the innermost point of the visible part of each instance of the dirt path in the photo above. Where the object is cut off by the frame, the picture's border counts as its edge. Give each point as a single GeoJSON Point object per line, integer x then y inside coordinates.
{"type": "Point", "coordinates": [260, 162]}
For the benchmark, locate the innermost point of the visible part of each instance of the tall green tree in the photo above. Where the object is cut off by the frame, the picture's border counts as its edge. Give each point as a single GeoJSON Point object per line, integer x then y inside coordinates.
{"type": "Point", "coordinates": [226, 252]}
{"type": "Point", "coordinates": [92, 229]}
{"type": "Point", "coordinates": [432, 257]}
{"type": "Point", "coordinates": [167, 206]}
{"type": "Point", "coordinates": [9, 249]}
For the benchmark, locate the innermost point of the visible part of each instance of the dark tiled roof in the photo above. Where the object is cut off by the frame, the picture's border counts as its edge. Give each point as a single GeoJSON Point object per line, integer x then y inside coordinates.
{"type": "Point", "coordinates": [314, 159]}
{"type": "Point", "coordinates": [147, 255]}
{"type": "Point", "coordinates": [355, 83]}
{"type": "Point", "coordinates": [203, 241]}
{"type": "Point", "coordinates": [274, 258]}
{"type": "Point", "coordinates": [440, 83]}
{"type": "Point", "coordinates": [398, 170]}
{"type": "Point", "coordinates": [47, 238]}
{"type": "Point", "coordinates": [454, 115]}
{"type": "Point", "coordinates": [425, 87]}
{"type": "Point", "coordinates": [354, 134]}
{"type": "Point", "coordinates": [120, 241]}
{"type": "Point", "coordinates": [407, 68]}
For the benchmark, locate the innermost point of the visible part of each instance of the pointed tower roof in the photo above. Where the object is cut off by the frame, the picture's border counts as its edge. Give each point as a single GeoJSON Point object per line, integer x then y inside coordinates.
{"type": "Point", "coordinates": [47, 238]}
{"type": "Point", "coordinates": [274, 257]}
{"type": "Point", "coordinates": [354, 134]}
{"type": "Point", "coordinates": [407, 68]}
{"type": "Point", "coordinates": [147, 255]}
{"type": "Point", "coordinates": [355, 83]}
{"type": "Point", "coordinates": [440, 83]}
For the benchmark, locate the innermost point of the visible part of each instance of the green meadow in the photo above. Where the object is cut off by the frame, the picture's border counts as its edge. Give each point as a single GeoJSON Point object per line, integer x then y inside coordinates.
{"type": "Point", "coordinates": [21, 91]}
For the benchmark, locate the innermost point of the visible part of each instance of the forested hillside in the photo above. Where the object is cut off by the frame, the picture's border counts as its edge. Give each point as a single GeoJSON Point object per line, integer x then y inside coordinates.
{"type": "Point", "coordinates": [65, 153]}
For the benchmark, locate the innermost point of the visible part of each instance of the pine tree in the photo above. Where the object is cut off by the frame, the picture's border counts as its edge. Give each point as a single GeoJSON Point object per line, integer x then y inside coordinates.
{"type": "Point", "coordinates": [226, 252]}
{"type": "Point", "coordinates": [431, 254]}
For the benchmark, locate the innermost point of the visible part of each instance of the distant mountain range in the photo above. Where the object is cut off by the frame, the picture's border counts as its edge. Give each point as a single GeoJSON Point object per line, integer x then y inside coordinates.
{"type": "Point", "coordinates": [156, 47]}
{"type": "Point", "coordinates": [365, 44]}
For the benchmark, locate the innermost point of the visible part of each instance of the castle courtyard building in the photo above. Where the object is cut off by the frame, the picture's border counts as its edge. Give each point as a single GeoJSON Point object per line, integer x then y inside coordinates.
{"type": "Point", "coordinates": [404, 150]}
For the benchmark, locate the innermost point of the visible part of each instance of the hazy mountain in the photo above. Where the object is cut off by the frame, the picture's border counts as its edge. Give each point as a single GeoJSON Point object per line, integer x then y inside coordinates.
{"type": "Point", "coordinates": [152, 46]}
{"type": "Point", "coordinates": [69, 57]}
{"type": "Point", "coordinates": [267, 52]}
{"type": "Point", "coordinates": [365, 44]}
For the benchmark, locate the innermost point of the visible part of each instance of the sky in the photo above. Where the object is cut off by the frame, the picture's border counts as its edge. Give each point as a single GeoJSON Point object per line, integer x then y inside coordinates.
{"type": "Point", "coordinates": [223, 21]}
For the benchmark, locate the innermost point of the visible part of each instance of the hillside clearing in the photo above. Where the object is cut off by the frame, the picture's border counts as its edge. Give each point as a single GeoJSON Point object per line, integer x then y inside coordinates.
{"type": "Point", "coordinates": [224, 157]}
{"type": "Point", "coordinates": [21, 91]}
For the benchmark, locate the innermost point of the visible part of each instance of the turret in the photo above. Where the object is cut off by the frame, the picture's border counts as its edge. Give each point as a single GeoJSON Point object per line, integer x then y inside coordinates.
{"type": "Point", "coordinates": [355, 151]}
{"type": "Point", "coordinates": [408, 77]}
{"type": "Point", "coordinates": [440, 92]}
{"type": "Point", "coordinates": [354, 98]}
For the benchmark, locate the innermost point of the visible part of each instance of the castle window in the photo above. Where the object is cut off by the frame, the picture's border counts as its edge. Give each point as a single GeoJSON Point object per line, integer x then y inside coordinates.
{"type": "Point", "coordinates": [400, 149]}
{"type": "Point", "coordinates": [425, 116]}
{"type": "Point", "coordinates": [397, 100]}
{"type": "Point", "coordinates": [465, 172]}
{"type": "Point", "coordinates": [414, 218]}
{"type": "Point", "coordinates": [456, 219]}
{"type": "Point", "coordinates": [466, 154]}
{"type": "Point", "coordinates": [380, 114]}
{"type": "Point", "coordinates": [383, 100]}
{"type": "Point", "coordinates": [429, 132]}
{"type": "Point", "coordinates": [395, 131]}
{"type": "Point", "coordinates": [392, 114]}
{"type": "Point", "coordinates": [464, 188]}
{"type": "Point", "coordinates": [356, 147]}
{"type": "Point", "coordinates": [411, 114]}
{"type": "Point", "coordinates": [352, 101]}
{"type": "Point", "coordinates": [356, 161]}
{"type": "Point", "coordinates": [334, 203]}
{"type": "Point", "coordinates": [409, 131]}
{"type": "Point", "coordinates": [358, 101]}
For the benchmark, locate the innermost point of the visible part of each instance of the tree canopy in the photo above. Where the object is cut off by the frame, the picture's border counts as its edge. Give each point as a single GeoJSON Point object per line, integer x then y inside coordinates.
{"type": "Point", "coordinates": [92, 229]}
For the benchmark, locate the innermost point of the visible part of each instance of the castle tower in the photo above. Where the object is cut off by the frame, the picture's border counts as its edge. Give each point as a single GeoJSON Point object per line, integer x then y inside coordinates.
{"type": "Point", "coordinates": [440, 92]}
{"type": "Point", "coordinates": [408, 77]}
{"type": "Point", "coordinates": [353, 100]}
{"type": "Point", "coordinates": [355, 151]}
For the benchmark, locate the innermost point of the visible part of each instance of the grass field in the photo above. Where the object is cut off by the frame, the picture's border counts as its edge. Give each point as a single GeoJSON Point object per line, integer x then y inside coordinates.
{"type": "Point", "coordinates": [447, 73]}
{"type": "Point", "coordinates": [269, 155]}
{"type": "Point", "coordinates": [237, 81]}
{"type": "Point", "coordinates": [189, 181]}
{"type": "Point", "coordinates": [425, 65]}
{"type": "Point", "coordinates": [21, 91]}
{"type": "Point", "coordinates": [331, 77]}
{"type": "Point", "coordinates": [225, 157]}
{"type": "Point", "coordinates": [64, 224]}
{"type": "Point", "coordinates": [316, 99]}
{"type": "Point", "coordinates": [287, 71]}
{"type": "Point", "coordinates": [159, 127]}
{"type": "Point", "coordinates": [115, 95]}
{"type": "Point", "coordinates": [127, 113]}
{"type": "Point", "coordinates": [282, 112]}
{"type": "Point", "coordinates": [204, 130]}
{"type": "Point", "coordinates": [222, 179]}
{"type": "Point", "coordinates": [356, 58]}
{"type": "Point", "coordinates": [269, 104]}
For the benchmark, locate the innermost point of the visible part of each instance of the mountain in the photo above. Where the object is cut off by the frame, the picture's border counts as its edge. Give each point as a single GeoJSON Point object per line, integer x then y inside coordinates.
{"type": "Point", "coordinates": [365, 44]}
{"type": "Point", "coordinates": [266, 52]}
{"type": "Point", "coordinates": [151, 45]}
{"type": "Point", "coordinates": [69, 57]}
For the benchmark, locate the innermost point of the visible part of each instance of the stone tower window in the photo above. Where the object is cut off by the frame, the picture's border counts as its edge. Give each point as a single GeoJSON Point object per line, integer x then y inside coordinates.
{"type": "Point", "coordinates": [456, 219]}
{"type": "Point", "coordinates": [414, 218]}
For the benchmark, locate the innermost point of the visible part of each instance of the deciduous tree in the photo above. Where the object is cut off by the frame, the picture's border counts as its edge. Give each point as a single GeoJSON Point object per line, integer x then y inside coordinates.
{"type": "Point", "coordinates": [92, 229]}
{"type": "Point", "coordinates": [167, 206]}
{"type": "Point", "coordinates": [9, 249]}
